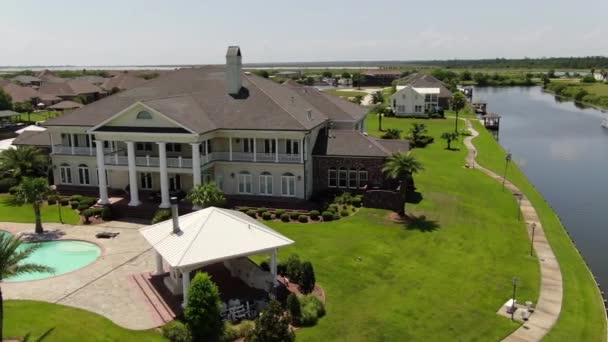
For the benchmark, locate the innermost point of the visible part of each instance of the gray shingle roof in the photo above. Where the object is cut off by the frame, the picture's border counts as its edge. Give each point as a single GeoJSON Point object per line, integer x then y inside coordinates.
{"type": "Point", "coordinates": [344, 142]}
{"type": "Point", "coordinates": [197, 98]}
{"type": "Point", "coordinates": [419, 80]}
{"type": "Point", "coordinates": [33, 138]}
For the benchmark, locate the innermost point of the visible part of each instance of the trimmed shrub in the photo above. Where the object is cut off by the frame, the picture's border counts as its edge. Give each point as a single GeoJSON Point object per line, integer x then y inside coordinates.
{"type": "Point", "coordinates": [74, 204]}
{"type": "Point", "coordinates": [285, 217]}
{"type": "Point", "coordinates": [267, 215]}
{"type": "Point", "coordinates": [87, 214]}
{"type": "Point", "coordinates": [344, 212]}
{"type": "Point", "coordinates": [272, 325]}
{"type": "Point", "coordinates": [314, 302]}
{"type": "Point", "coordinates": [314, 215]}
{"type": "Point", "coordinates": [7, 183]}
{"type": "Point", "coordinates": [308, 316]}
{"type": "Point", "coordinates": [90, 201]}
{"type": "Point", "coordinates": [233, 332]}
{"type": "Point", "coordinates": [52, 200]}
{"type": "Point", "coordinates": [279, 212]}
{"type": "Point", "coordinates": [83, 206]}
{"type": "Point", "coordinates": [293, 268]}
{"type": "Point", "coordinates": [13, 189]}
{"type": "Point", "coordinates": [244, 209]}
{"type": "Point", "coordinates": [76, 198]}
{"type": "Point", "coordinates": [281, 268]}
{"type": "Point", "coordinates": [337, 217]}
{"type": "Point", "coordinates": [312, 309]}
{"type": "Point", "coordinates": [294, 215]}
{"type": "Point", "coordinates": [333, 208]}
{"type": "Point", "coordinates": [357, 201]}
{"type": "Point", "coordinates": [106, 214]}
{"type": "Point", "coordinates": [261, 211]}
{"type": "Point", "coordinates": [203, 308]}
{"type": "Point", "coordinates": [251, 213]}
{"type": "Point", "coordinates": [327, 216]}
{"type": "Point", "coordinates": [303, 219]}
{"type": "Point", "coordinates": [307, 277]}
{"type": "Point", "coordinates": [64, 201]}
{"type": "Point", "coordinates": [176, 331]}
{"type": "Point", "coordinates": [161, 215]}
{"type": "Point", "coordinates": [294, 308]}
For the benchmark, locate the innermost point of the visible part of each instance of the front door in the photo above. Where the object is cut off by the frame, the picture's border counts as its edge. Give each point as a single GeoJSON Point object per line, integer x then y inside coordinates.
{"type": "Point", "coordinates": [175, 182]}
{"type": "Point", "coordinates": [145, 180]}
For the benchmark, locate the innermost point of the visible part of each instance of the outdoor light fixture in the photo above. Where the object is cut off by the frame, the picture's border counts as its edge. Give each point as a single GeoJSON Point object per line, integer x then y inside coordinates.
{"type": "Point", "coordinates": [508, 158]}
{"type": "Point", "coordinates": [232, 175]}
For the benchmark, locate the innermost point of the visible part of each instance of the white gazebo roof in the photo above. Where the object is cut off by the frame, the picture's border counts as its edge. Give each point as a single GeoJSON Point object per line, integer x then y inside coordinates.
{"type": "Point", "coordinates": [31, 128]}
{"type": "Point", "coordinates": [212, 235]}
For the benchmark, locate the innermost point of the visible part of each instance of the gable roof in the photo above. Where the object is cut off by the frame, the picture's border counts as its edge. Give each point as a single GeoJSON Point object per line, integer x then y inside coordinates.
{"type": "Point", "coordinates": [122, 81]}
{"type": "Point", "coordinates": [419, 80]}
{"type": "Point", "coordinates": [197, 98]}
{"type": "Point", "coordinates": [63, 105]}
{"type": "Point", "coordinates": [33, 138]}
{"type": "Point", "coordinates": [211, 235]}
{"type": "Point", "coordinates": [19, 93]}
{"type": "Point", "coordinates": [69, 88]}
{"type": "Point", "coordinates": [345, 142]}
{"type": "Point", "coordinates": [25, 79]}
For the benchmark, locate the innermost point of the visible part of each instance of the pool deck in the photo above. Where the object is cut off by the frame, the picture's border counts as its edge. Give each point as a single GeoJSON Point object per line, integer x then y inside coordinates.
{"type": "Point", "coordinates": [103, 287]}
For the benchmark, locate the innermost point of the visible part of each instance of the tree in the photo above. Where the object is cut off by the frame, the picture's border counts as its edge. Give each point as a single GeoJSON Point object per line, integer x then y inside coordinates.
{"type": "Point", "coordinates": [459, 101]}
{"type": "Point", "coordinates": [377, 97]}
{"type": "Point", "coordinates": [551, 73]}
{"type": "Point", "coordinates": [308, 280]}
{"type": "Point", "coordinates": [23, 161]}
{"type": "Point", "coordinates": [207, 195]}
{"type": "Point", "coordinates": [449, 137]}
{"type": "Point", "coordinates": [466, 75]}
{"type": "Point", "coordinates": [345, 75]}
{"type": "Point", "coordinates": [263, 73]}
{"type": "Point", "coordinates": [13, 254]}
{"type": "Point", "coordinates": [392, 133]}
{"type": "Point", "coordinates": [33, 191]}
{"type": "Point", "coordinates": [203, 310]}
{"type": "Point", "coordinates": [272, 326]}
{"type": "Point", "coordinates": [6, 102]}
{"type": "Point", "coordinates": [327, 74]}
{"type": "Point", "coordinates": [357, 99]}
{"type": "Point", "coordinates": [358, 79]}
{"type": "Point", "coordinates": [24, 107]}
{"type": "Point", "coordinates": [294, 308]}
{"type": "Point", "coordinates": [417, 131]}
{"type": "Point", "coordinates": [402, 166]}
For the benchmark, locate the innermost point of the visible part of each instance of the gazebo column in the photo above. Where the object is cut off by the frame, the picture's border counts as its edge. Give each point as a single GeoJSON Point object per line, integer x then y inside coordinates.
{"type": "Point", "coordinates": [159, 264]}
{"type": "Point", "coordinates": [196, 164]}
{"type": "Point", "coordinates": [185, 286]}
{"type": "Point", "coordinates": [273, 267]}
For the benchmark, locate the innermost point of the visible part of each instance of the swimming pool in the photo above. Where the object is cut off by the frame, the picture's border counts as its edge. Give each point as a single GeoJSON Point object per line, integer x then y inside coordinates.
{"type": "Point", "coordinates": [62, 255]}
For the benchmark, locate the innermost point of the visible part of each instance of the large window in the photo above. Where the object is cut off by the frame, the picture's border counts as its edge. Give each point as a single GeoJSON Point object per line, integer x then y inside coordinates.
{"type": "Point", "coordinates": [362, 178]}
{"type": "Point", "coordinates": [174, 147]}
{"type": "Point", "coordinates": [292, 146]}
{"type": "Point", "coordinates": [83, 175]}
{"type": "Point", "coordinates": [266, 183]}
{"type": "Point", "coordinates": [65, 174]}
{"type": "Point", "coordinates": [342, 178]}
{"type": "Point", "coordinates": [248, 145]}
{"type": "Point", "coordinates": [333, 177]}
{"type": "Point", "coordinates": [352, 178]}
{"type": "Point", "coordinates": [270, 146]}
{"type": "Point", "coordinates": [418, 109]}
{"type": "Point", "coordinates": [288, 184]}
{"type": "Point", "coordinates": [145, 179]}
{"type": "Point", "coordinates": [400, 109]}
{"type": "Point", "coordinates": [244, 180]}
{"type": "Point", "coordinates": [144, 146]}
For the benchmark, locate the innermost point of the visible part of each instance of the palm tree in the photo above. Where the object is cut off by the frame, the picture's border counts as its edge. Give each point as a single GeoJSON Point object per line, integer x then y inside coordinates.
{"type": "Point", "coordinates": [449, 137]}
{"type": "Point", "coordinates": [23, 161]}
{"type": "Point", "coordinates": [402, 166]}
{"type": "Point", "coordinates": [33, 191]}
{"type": "Point", "coordinates": [459, 101]}
{"type": "Point", "coordinates": [206, 195]}
{"type": "Point", "coordinates": [12, 254]}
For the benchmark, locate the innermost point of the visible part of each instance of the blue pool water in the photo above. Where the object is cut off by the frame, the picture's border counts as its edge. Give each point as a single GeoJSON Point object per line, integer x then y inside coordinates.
{"type": "Point", "coordinates": [63, 256]}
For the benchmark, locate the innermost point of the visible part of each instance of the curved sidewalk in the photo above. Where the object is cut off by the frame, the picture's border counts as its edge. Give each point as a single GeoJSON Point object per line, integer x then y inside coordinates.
{"type": "Point", "coordinates": [551, 288]}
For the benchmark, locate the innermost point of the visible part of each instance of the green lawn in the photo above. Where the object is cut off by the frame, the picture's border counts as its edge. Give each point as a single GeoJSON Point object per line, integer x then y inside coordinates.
{"type": "Point", "coordinates": [39, 116]}
{"type": "Point", "coordinates": [69, 324]}
{"type": "Point", "coordinates": [25, 213]}
{"type": "Point", "coordinates": [583, 317]}
{"type": "Point", "coordinates": [345, 93]}
{"type": "Point", "coordinates": [436, 280]}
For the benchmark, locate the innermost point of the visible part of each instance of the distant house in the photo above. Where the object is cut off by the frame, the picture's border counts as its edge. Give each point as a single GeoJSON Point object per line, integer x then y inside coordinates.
{"type": "Point", "coordinates": [418, 80]}
{"type": "Point", "coordinates": [379, 77]}
{"type": "Point", "coordinates": [48, 76]}
{"type": "Point", "coordinates": [26, 80]}
{"type": "Point", "coordinates": [122, 81]}
{"type": "Point", "coordinates": [93, 79]}
{"type": "Point", "coordinates": [20, 94]}
{"type": "Point", "coordinates": [412, 101]}
{"type": "Point", "coordinates": [71, 89]}
{"type": "Point", "coordinates": [345, 82]}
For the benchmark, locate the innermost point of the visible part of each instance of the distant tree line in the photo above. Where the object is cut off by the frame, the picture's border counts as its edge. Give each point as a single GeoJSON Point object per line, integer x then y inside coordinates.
{"type": "Point", "coordinates": [551, 62]}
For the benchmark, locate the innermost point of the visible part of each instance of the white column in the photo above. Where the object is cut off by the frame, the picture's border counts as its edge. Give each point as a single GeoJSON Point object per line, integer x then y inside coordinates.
{"type": "Point", "coordinates": [52, 144]}
{"type": "Point", "coordinates": [230, 147]}
{"type": "Point", "coordinates": [159, 264]}
{"type": "Point", "coordinates": [164, 175]}
{"type": "Point", "coordinates": [207, 151]}
{"type": "Point", "coordinates": [273, 266]}
{"type": "Point", "coordinates": [90, 145]}
{"type": "Point", "coordinates": [255, 154]}
{"type": "Point", "coordinates": [196, 164]}
{"type": "Point", "coordinates": [132, 175]}
{"type": "Point", "coordinates": [101, 174]}
{"type": "Point", "coordinates": [302, 151]}
{"type": "Point", "coordinates": [185, 287]}
{"type": "Point", "coordinates": [276, 155]}
{"type": "Point", "coordinates": [72, 142]}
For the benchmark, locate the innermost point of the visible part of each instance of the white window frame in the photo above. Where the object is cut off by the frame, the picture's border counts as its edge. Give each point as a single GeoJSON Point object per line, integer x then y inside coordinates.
{"type": "Point", "coordinates": [244, 179]}
{"type": "Point", "coordinates": [332, 171]}
{"type": "Point", "coordinates": [84, 176]}
{"type": "Point", "coordinates": [418, 109]}
{"type": "Point", "coordinates": [145, 181]}
{"type": "Point", "coordinates": [362, 180]}
{"type": "Point", "coordinates": [65, 174]}
{"type": "Point", "coordinates": [345, 178]}
{"type": "Point", "coordinates": [145, 146]}
{"type": "Point", "coordinates": [353, 180]}
{"type": "Point", "coordinates": [270, 146]}
{"type": "Point", "coordinates": [248, 145]}
{"type": "Point", "coordinates": [266, 186]}
{"type": "Point", "coordinates": [174, 147]}
{"type": "Point", "coordinates": [400, 108]}
{"type": "Point", "coordinates": [288, 185]}
{"type": "Point", "coordinates": [292, 146]}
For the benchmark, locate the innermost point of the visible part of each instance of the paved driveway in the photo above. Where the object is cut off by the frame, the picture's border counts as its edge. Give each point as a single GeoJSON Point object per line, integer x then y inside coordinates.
{"type": "Point", "coordinates": [105, 286]}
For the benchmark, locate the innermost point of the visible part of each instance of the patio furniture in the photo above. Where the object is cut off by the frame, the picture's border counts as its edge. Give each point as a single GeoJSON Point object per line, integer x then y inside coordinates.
{"type": "Point", "coordinates": [106, 235]}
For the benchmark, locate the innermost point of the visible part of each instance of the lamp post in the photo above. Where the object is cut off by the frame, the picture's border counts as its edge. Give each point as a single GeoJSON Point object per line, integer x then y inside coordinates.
{"type": "Point", "coordinates": [532, 240]}
{"type": "Point", "coordinates": [514, 282]}
{"type": "Point", "coordinates": [507, 161]}
{"type": "Point", "coordinates": [56, 193]}
{"type": "Point", "coordinates": [519, 195]}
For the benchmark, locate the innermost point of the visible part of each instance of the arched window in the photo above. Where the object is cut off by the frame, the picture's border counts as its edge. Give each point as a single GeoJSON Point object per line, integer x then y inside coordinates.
{"type": "Point", "coordinates": [144, 115]}
{"type": "Point", "coordinates": [266, 183]}
{"type": "Point", "coordinates": [65, 173]}
{"type": "Point", "coordinates": [332, 175]}
{"type": "Point", "coordinates": [362, 178]}
{"type": "Point", "coordinates": [288, 184]}
{"type": "Point", "coordinates": [352, 178]}
{"type": "Point", "coordinates": [244, 182]}
{"type": "Point", "coordinates": [83, 175]}
{"type": "Point", "coordinates": [342, 177]}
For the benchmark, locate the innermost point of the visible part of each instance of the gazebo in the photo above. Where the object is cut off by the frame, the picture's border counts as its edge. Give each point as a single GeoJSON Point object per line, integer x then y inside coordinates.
{"type": "Point", "coordinates": [213, 235]}
{"type": "Point", "coordinates": [66, 105]}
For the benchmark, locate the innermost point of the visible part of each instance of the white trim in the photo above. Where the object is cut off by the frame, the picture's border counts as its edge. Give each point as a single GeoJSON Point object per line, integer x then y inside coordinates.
{"type": "Point", "coordinates": [266, 176]}
{"type": "Point", "coordinates": [288, 177]}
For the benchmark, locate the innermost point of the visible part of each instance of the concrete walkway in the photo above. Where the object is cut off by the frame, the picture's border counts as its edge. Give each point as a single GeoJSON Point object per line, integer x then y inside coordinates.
{"type": "Point", "coordinates": [551, 288]}
{"type": "Point", "coordinates": [105, 286]}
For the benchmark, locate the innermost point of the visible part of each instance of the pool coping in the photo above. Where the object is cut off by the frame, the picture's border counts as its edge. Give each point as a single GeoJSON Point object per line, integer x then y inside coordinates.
{"type": "Point", "coordinates": [101, 255]}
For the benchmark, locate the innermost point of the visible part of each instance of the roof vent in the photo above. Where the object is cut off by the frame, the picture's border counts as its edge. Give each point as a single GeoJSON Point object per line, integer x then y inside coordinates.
{"type": "Point", "coordinates": [309, 114]}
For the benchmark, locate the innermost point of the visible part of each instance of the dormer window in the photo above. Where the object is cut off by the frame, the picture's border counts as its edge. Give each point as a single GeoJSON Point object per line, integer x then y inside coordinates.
{"type": "Point", "coordinates": [144, 115]}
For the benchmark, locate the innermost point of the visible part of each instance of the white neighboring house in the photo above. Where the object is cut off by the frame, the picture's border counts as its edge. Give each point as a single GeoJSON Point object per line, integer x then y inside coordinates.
{"type": "Point", "coordinates": [413, 101]}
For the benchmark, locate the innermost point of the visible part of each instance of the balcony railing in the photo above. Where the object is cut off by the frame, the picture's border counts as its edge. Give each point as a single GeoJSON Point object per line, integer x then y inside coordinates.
{"type": "Point", "coordinates": [79, 151]}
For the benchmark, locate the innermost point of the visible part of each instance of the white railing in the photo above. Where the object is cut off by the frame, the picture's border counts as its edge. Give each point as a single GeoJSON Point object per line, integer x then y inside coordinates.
{"type": "Point", "coordinates": [115, 159]}
{"type": "Point", "coordinates": [86, 151]}
{"type": "Point", "coordinates": [244, 156]}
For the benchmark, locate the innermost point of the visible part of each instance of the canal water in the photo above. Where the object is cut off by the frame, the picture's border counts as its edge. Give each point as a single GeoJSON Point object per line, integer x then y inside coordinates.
{"type": "Point", "coordinates": [563, 150]}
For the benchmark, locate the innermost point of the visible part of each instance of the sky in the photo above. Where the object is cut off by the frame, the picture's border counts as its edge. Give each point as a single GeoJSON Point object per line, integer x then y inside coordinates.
{"type": "Point", "coordinates": [137, 32]}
